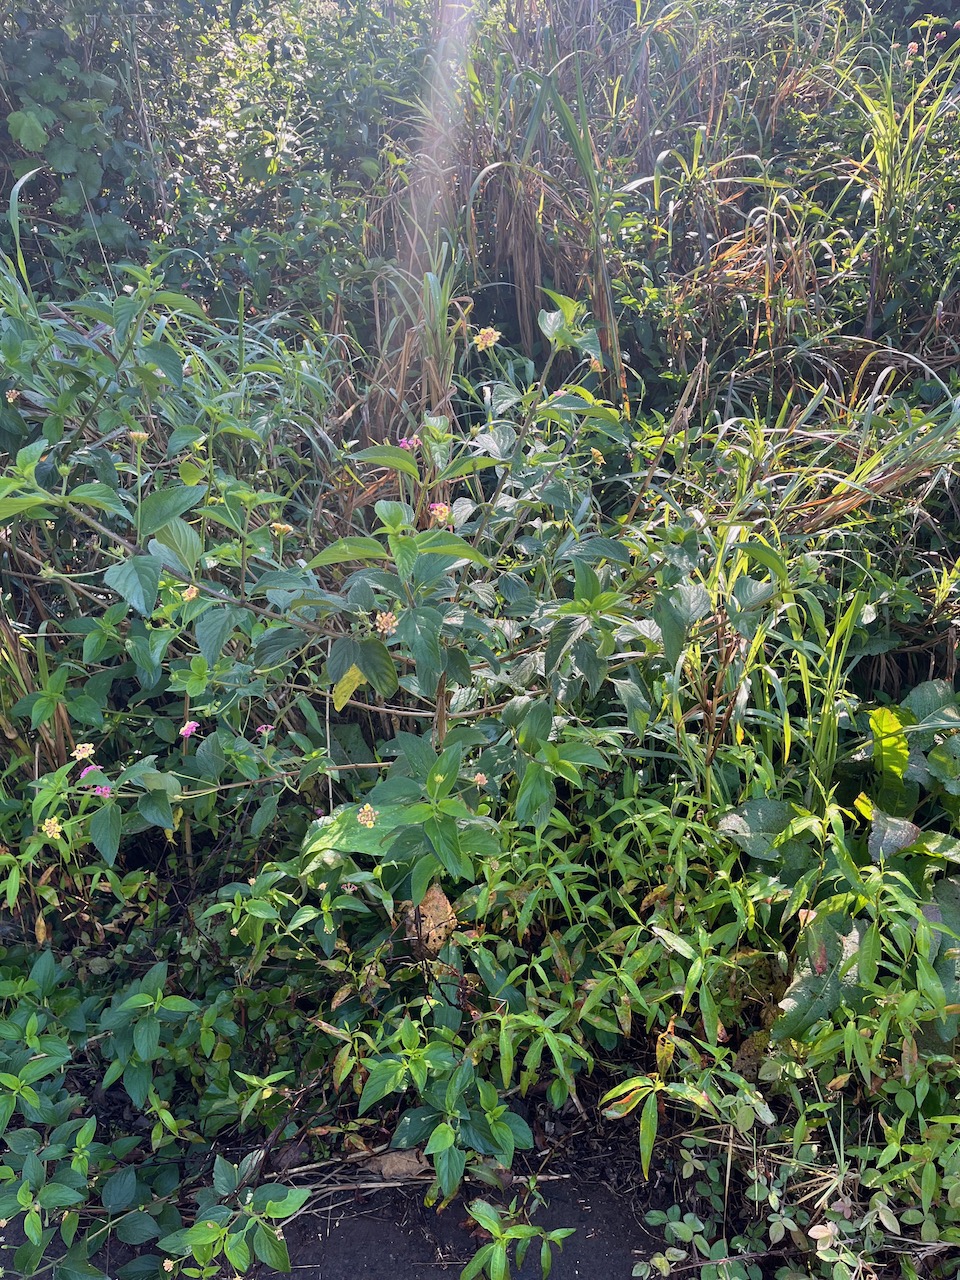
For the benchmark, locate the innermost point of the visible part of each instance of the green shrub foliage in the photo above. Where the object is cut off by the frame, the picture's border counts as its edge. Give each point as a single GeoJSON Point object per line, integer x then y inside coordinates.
{"type": "Point", "coordinates": [429, 695]}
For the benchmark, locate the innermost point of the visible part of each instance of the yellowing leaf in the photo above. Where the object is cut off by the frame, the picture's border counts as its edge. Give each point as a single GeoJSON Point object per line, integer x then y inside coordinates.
{"type": "Point", "coordinates": [347, 685]}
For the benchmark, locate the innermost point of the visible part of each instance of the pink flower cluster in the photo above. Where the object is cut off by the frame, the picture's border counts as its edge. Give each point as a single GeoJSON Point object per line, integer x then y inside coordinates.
{"type": "Point", "coordinates": [84, 751]}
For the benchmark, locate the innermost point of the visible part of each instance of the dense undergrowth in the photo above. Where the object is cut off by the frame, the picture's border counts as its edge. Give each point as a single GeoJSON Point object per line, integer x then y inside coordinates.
{"type": "Point", "coordinates": [479, 624]}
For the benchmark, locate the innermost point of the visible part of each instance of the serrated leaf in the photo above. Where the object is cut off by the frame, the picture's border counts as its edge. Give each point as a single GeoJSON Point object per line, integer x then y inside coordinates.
{"type": "Point", "coordinates": [213, 628]}
{"type": "Point", "coordinates": [99, 496]}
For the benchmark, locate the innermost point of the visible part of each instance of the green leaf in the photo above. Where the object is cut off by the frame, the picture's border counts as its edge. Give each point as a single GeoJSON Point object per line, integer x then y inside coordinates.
{"type": "Point", "coordinates": [821, 979]}
{"type": "Point", "coordinates": [890, 748]}
{"type": "Point", "coordinates": [648, 1132]}
{"type": "Point", "coordinates": [237, 1252]}
{"type": "Point", "coordinates": [159, 508]}
{"type": "Point", "coordinates": [384, 1078]}
{"type": "Point", "coordinates": [440, 542]}
{"type": "Point", "coordinates": [180, 539]}
{"type": "Point", "coordinates": [374, 660]}
{"type": "Point", "coordinates": [146, 1038]}
{"type": "Point", "coordinates": [388, 455]}
{"type": "Point", "coordinates": [442, 1137]}
{"type": "Point", "coordinates": [165, 358]}
{"type": "Point", "coordinates": [348, 550]}
{"type": "Point", "coordinates": [270, 1250]}
{"type": "Point", "coordinates": [105, 828]}
{"type": "Point", "coordinates": [214, 627]}
{"type": "Point", "coordinates": [535, 796]}
{"type": "Point", "coordinates": [137, 1228]}
{"type": "Point", "coordinates": [286, 1202]}
{"type": "Point", "coordinates": [155, 808]}
{"type": "Point", "coordinates": [889, 835]}
{"type": "Point", "coordinates": [178, 302]}
{"type": "Point", "coordinates": [565, 632]}
{"type": "Point", "coordinates": [27, 131]}
{"type": "Point", "coordinates": [225, 1177]}
{"type": "Point", "coordinates": [99, 496]}
{"type": "Point", "coordinates": [137, 581]}
{"type": "Point", "coordinates": [395, 516]}
{"type": "Point", "coordinates": [484, 1213]}
{"type": "Point", "coordinates": [119, 1191]}
{"type": "Point", "coordinates": [450, 1165]}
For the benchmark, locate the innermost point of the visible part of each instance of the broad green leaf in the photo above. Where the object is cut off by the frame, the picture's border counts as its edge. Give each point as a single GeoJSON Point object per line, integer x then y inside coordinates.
{"type": "Point", "coordinates": [182, 540]}
{"type": "Point", "coordinates": [27, 131]}
{"type": "Point", "coordinates": [137, 1228]}
{"type": "Point", "coordinates": [270, 1250]}
{"type": "Point", "coordinates": [214, 627]}
{"type": "Point", "coordinates": [105, 828]}
{"type": "Point", "coordinates": [225, 1176]}
{"type": "Point", "coordinates": [822, 978]}
{"type": "Point", "coordinates": [10, 507]}
{"type": "Point", "coordinates": [285, 1201]}
{"type": "Point", "coordinates": [119, 1191]}
{"type": "Point", "coordinates": [440, 542]}
{"type": "Point", "coordinates": [159, 508]}
{"type": "Point", "coordinates": [374, 660]}
{"type": "Point", "coordinates": [889, 835]}
{"type": "Point", "coordinates": [99, 496]}
{"type": "Point", "coordinates": [890, 748]}
{"type": "Point", "coordinates": [388, 455]}
{"type": "Point", "coordinates": [136, 580]}
{"type": "Point", "coordinates": [384, 1078]}
{"type": "Point", "coordinates": [535, 796]}
{"type": "Point", "coordinates": [155, 808]}
{"type": "Point", "coordinates": [165, 358]}
{"type": "Point", "coordinates": [348, 550]}
{"type": "Point", "coordinates": [237, 1252]}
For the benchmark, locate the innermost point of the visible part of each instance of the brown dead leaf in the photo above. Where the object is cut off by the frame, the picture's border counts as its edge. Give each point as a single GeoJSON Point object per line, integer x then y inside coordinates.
{"type": "Point", "coordinates": [428, 926]}
{"type": "Point", "coordinates": [40, 931]}
{"type": "Point", "coordinates": [398, 1166]}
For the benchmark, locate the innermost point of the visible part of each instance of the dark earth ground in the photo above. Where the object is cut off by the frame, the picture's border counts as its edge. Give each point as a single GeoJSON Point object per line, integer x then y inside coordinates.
{"type": "Point", "coordinates": [369, 1219]}
{"type": "Point", "coordinates": [393, 1237]}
